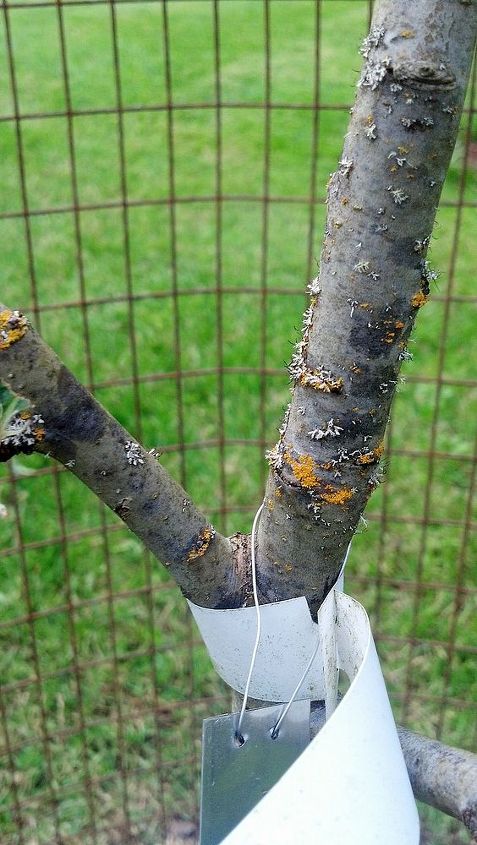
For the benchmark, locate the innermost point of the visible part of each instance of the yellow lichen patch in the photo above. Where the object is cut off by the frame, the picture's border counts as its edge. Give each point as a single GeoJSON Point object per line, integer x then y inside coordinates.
{"type": "Point", "coordinates": [389, 337]}
{"type": "Point", "coordinates": [270, 505]}
{"type": "Point", "coordinates": [407, 33]}
{"type": "Point", "coordinates": [278, 493]}
{"type": "Point", "coordinates": [313, 378]}
{"type": "Point", "coordinates": [371, 457]}
{"type": "Point", "coordinates": [303, 469]}
{"type": "Point", "coordinates": [337, 224]}
{"type": "Point", "coordinates": [39, 433]}
{"type": "Point", "coordinates": [202, 543]}
{"type": "Point", "coordinates": [288, 568]}
{"type": "Point", "coordinates": [419, 299]}
{"type": "Point", "coordinates": [334, 496]}
{"type": "Point", "coordinates": [403, 150]}
{"type": "Point", "coordinates": [399, 324]}
{"type": "Point", "coordinates": [369, 120]}
{"type": "Point", "coordinates": [13, 326]}
{"type": "Point", "coordinates": [344, 200]}
{"type": "Point", "coordinates": [393, 168]}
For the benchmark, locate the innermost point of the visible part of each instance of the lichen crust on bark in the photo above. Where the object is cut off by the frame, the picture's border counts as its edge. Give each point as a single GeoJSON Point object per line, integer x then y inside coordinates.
{"type": "Point", "coordinates": [65, 422]}
{"type": "Point", "coordinates": [374, 278]}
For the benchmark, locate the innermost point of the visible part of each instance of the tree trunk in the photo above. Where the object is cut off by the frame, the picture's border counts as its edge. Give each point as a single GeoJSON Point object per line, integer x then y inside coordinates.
{"type": "Point", "coordinates": [373, 280]}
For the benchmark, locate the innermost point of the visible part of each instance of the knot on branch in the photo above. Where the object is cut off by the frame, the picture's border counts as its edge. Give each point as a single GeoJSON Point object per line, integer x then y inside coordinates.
{"type": "Point", "coordinates": [425, 73]}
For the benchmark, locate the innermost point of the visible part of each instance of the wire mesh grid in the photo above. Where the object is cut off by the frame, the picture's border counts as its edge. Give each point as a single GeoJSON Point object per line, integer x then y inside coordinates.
{"type": "Point", "coordinates": [163, 168]}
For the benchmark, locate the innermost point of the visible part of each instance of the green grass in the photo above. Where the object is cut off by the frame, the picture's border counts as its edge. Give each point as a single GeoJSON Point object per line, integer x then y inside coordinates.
{"type": "Point", "coordinates": [163, 696]}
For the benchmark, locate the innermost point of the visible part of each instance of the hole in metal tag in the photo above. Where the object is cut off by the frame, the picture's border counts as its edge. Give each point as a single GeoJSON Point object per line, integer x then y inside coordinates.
{"type": "Point", "coordinates": [236, 776]}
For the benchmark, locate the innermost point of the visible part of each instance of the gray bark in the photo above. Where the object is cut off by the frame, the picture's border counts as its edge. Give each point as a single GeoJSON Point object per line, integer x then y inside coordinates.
{"type": "Point", "coordinates": [373, 280]}
{"type": "Point", "coordinates": [68, 424]}
{"type": "Point", "coordinates": [441, 776]}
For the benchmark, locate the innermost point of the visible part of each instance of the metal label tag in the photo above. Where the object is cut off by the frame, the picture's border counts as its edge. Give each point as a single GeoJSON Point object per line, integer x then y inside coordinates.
{"type": "Point", "coordinates": [235, 777]}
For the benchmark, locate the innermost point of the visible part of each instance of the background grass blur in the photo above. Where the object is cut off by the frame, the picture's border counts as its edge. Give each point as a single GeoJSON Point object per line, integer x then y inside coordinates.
{"type": "Point", "coordinates": [109, 741]}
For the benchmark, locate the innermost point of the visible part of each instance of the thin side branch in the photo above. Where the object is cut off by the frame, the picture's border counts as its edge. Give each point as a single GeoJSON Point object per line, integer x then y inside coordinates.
{"type": "Point", "coordinates": [68, 424]}
{"type": "Point", "coordinates": [441, 776]}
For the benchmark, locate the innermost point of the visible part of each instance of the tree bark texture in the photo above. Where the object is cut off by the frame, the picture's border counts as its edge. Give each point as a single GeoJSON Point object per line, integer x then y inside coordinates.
{"type": "Point", "coordinates": [68, 424]}
{"type": "Point", "coordinates": [373, 280]}
{"type": "Point", "coordinates": [441, 776]}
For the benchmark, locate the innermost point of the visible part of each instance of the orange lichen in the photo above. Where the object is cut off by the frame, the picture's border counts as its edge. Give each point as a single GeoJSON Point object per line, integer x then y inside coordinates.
{"type": "Point", "coordinates": [389, 337]}
{"type": "Point", "coordinates": [314, 379]}
{"type": "Point", "coordinates": [13, 326]}
{"type": "Point", "coordinates": [38, 432]}
{"type": "Point", "coordinates": [371, 457]}
{"type": "Point", "coordinates": [335, 496]}
{"type": "Point", "coordinates": [419, 299]}
{"type": "Point", "coordinates": [303, 469]}
{"type": "Point", "coordinates": [344, 201]}
{"type": "Point", "coordinates": [399, 324]}
{"type": "Point", "coordinates": [202, 543]}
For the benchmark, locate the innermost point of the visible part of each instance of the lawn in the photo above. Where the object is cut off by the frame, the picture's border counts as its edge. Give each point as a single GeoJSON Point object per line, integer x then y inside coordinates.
{"type": "Point", "coordinates": [103, 681]}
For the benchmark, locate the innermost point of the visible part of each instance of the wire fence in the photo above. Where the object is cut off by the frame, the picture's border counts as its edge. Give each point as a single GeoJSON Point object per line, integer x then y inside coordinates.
{"type": "Point", "coordinates": [163, 169]}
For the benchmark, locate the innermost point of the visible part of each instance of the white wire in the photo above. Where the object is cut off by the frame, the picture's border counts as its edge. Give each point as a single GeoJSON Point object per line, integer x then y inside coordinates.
{"type": "Point", "coordinates": [276, 727]}
{"type": "Point", "coordinates": [259, 624]}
